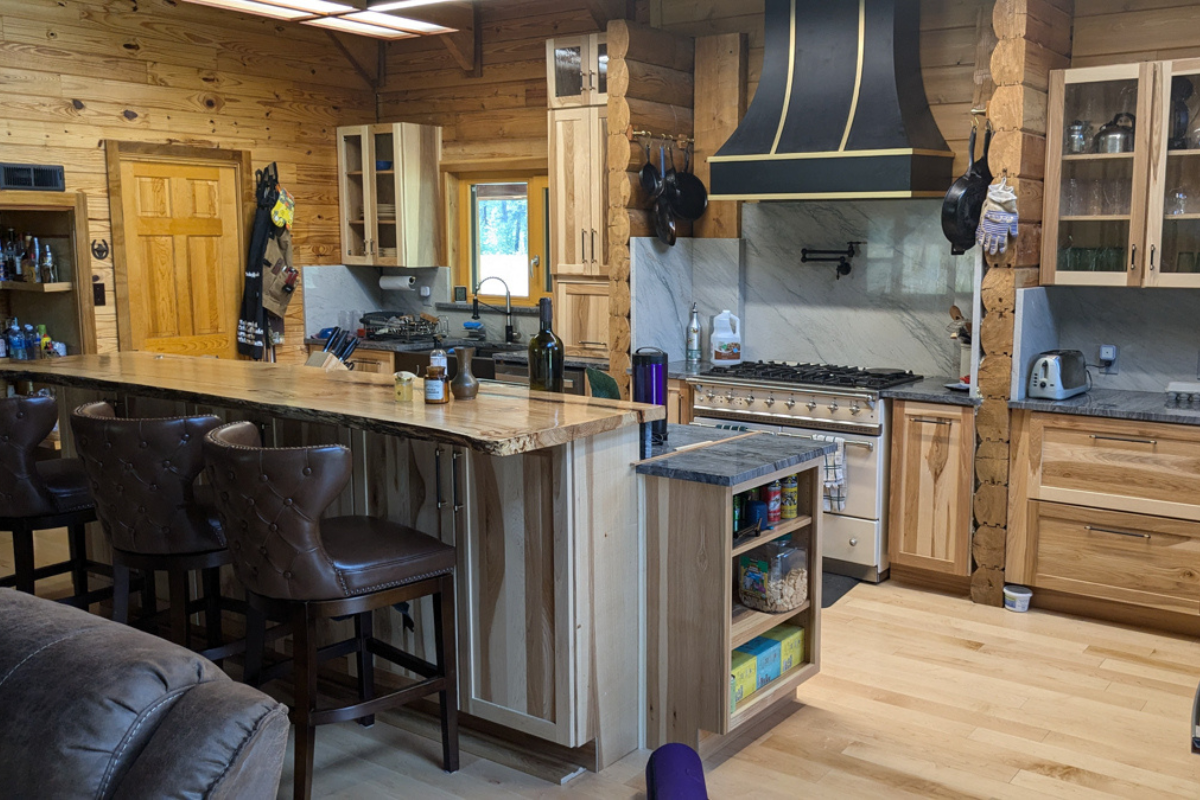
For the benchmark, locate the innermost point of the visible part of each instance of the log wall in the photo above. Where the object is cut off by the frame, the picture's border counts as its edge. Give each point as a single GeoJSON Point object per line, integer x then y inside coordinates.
{"type": "Point", "coordinates": [76, 73]}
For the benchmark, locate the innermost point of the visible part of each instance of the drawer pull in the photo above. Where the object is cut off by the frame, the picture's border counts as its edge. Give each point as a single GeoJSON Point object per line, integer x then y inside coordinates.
{"type": "Point", "coordinates": [1118, 533]}
{"type": "Point", "coordinates": [1151, 442]}
{"type": "Point", "coordinates": [593, 344]}
{"type": "Point", "coordinates": [932, 421]}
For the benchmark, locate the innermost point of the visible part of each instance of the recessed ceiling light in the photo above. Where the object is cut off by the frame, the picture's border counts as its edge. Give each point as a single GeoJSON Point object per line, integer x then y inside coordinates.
{"type": "Point", "coordinates": [251, 7]}
{"type": "Point", "coordinates": [396, 5]}
{"type": "Point", "coordinates": [361, 28]}
{"type": "Point", "coordinates": [399, 23]}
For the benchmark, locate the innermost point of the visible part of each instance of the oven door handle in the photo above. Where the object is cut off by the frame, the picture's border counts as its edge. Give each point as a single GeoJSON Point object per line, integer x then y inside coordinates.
{"type": "Point", "coordinates": [868, 446]}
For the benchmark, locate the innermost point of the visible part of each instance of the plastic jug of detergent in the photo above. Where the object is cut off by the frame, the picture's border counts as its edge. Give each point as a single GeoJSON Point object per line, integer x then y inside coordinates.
{"type": "Point", "coordinates": [725, 344]}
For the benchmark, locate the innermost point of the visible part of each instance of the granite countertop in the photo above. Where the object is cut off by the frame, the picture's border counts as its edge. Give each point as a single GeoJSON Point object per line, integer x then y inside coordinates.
{"type": "Point", "coordinates": [932, 390]}
{"type": "Point", "coordinates": [729, 463]}
{"type": "Point", "coordinates": [1115, 404]}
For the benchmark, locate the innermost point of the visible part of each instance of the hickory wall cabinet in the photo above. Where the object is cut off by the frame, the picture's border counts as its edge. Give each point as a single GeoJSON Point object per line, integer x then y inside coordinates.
{"type": "Point", "coordinates": [582, 317]}
{"type": "Point", "coordinates": [389, 194]}
{"type": "Point", "coordinates": [578, 199]}
{"type": "Point", "coordinates": [929, 525]}
{"type": "Point", "coordinates": [577, 70]}
{"type": "Point", "coordinates": [1125, 214]}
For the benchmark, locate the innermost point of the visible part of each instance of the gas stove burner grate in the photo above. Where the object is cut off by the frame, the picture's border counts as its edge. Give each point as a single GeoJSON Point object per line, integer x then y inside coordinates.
{"type": "Point", "coordinates": [814, 374]}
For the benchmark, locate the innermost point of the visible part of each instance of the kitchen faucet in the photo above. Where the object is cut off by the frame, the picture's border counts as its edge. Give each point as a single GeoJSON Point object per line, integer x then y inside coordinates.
{"type": "Point", "coordinates": [510, 335]}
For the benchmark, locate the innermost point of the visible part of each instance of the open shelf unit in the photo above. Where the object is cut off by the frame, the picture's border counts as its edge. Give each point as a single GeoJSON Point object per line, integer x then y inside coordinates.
{"type": "Point", "coordinates": [695, 617]}
{"type": "Point", "coordinates": [35, 288]}
{"type": "Point", "coordinates": [1098, 157]}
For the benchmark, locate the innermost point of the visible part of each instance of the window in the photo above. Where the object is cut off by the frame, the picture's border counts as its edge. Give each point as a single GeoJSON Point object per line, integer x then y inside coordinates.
{"type": "Point", "coordinates": [504, 233]}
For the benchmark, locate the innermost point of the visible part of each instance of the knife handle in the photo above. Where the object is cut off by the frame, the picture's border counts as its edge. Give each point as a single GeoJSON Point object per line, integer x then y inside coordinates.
{"type": "Point", "coordinates": [334, 334]}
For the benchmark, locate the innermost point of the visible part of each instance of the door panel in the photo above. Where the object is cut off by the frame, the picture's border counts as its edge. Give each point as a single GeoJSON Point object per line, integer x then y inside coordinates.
{"type": "Point", "coordinates": [183, 253]}
{"type": "Point", "coordinates": [571, 191]}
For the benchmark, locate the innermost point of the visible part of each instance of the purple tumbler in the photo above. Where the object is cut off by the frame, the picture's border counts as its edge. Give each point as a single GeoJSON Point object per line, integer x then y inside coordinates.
{"type": "Point", "coordinates": [650, 384]}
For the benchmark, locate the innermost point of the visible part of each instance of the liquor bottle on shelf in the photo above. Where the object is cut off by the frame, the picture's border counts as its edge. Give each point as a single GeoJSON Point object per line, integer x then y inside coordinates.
{"type": "Point", "coordinates": [10, 256]}
{"type": "Point", "coordinates": [16, 342]}
{"type": "Point", "coordinates": [49, 271]}
{"type": "Point", "coordinates": [546, 354]}
{"type": "Point", "coordinates": [34, 268]}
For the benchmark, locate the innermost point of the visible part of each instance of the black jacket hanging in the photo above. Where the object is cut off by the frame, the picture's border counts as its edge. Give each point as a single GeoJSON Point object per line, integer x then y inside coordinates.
{"type": "Point", "coordinates": [252, 323]}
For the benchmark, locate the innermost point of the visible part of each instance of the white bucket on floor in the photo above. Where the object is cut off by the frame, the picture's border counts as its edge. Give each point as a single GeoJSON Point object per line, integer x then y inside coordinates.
{"type": "Point", "coordinates": [1016, 598]}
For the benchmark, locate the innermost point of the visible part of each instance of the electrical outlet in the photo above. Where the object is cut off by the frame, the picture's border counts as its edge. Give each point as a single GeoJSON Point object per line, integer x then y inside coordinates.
{"type": "Point", "coordinates": [1110, 356]}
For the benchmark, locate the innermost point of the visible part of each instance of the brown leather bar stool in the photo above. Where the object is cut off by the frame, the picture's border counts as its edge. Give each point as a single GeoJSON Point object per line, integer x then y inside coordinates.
{"type": "Point", "coordinates": [143, 473]}
{"type": "Point", "coordinates": [301, 568]}
{"type": "Point", "coordinates": [41, 495]}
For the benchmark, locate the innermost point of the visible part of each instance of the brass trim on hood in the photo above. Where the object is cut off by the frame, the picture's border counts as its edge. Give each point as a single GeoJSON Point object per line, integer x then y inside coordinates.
{"type": "Point", "coordinates": [787, 97]}
{"type": "Point", "coordinates": [899, 151]}
{"type": "Point", "coordinates": [858, 75]}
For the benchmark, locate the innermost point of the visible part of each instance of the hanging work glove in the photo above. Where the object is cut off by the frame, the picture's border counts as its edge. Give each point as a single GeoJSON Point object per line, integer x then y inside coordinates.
{"type": "Point", "coordinates": [998, 220]}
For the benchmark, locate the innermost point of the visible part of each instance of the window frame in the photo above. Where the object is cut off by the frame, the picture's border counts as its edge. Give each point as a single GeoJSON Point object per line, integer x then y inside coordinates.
{"type": "Point", "coordinates": [539, 244]}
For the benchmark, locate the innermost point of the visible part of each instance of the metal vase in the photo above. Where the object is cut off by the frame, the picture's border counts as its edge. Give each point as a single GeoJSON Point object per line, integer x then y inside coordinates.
{"type": "Point", "coordinates": [465, 385]}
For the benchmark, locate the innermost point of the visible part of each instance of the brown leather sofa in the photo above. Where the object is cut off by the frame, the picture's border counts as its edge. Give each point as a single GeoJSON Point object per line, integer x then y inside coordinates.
{"type": "Point", "coordinates": [93, 709]}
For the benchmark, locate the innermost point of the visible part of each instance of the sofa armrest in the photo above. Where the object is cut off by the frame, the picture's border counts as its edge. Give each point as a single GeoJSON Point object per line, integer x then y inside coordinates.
{"type": "Point", "coordinates": [221, 740]}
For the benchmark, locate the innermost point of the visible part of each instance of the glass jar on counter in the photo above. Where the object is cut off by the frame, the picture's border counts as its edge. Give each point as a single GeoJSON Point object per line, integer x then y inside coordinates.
{"type": "Point", "coordinates": [437, 388]}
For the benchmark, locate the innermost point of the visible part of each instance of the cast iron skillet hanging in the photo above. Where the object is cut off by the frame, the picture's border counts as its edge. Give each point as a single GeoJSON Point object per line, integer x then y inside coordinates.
{"type": "Point", "coordinates": [690, 199]}
{"type": "Point", "coordinates": [964, 201]}
{"type": "Point", "coordinates": [651, 183]}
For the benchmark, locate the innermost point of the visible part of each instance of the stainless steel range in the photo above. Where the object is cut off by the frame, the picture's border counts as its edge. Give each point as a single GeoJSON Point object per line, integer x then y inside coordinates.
{"type": "Point", "coordinates": [808, 401]}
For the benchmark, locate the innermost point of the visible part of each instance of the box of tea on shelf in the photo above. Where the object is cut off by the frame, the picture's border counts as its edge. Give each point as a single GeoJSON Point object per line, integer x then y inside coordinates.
{"type": "Point", "coordinates": [743, 678]}
{"type": "Point", "coordinates": [766, 658]}
{"type": "Point", "coordinates": [791, 645]}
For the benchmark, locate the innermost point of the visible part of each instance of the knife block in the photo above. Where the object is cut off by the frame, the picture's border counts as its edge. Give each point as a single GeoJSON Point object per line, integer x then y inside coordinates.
{"type": "Point", "coordinates": [326, 361]}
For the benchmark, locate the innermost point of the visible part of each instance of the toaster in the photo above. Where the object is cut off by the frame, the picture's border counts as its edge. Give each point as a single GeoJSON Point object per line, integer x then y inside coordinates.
{"type": "Point", "coordinates": [1058, 375]}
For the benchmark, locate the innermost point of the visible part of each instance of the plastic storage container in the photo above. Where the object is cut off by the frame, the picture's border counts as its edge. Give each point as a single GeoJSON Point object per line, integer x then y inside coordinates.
{"type": "Point", "coordinates": [725, 344]}
{"type": "Point", "coordinates": [774, 577]}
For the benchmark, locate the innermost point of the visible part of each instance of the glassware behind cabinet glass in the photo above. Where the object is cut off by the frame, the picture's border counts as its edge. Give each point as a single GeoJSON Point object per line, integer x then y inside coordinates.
{"type": "Point", "coordinates": [1177, 201]}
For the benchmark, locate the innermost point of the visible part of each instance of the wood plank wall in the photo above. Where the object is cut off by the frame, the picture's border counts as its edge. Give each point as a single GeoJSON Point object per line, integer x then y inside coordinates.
{"type": "Point", "coordinates": [948, 37]}
{"type": "Point", "coordinates": [1120, 31]}
{"type": "Point", "coordinates": [75, 73]}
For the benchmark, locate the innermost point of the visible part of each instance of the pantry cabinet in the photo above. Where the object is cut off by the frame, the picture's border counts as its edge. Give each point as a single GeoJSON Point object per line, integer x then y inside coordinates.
{"type": "Point", "coordinates": [578, 197]}
{"type": "Point", "coordinates": [1123, 215]}
{"type": "Point", "coordinates": [389, 195]}
{"type": "Point", "coordinates": [582, 318]}
{"type": "Point", "coordinates": [577, 71]}
{"type": "Point", "coordinates": [933, 455]}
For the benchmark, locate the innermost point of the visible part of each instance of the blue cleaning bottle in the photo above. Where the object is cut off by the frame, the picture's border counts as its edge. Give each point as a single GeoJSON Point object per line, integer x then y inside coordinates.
{"type": "Point", "coordinates": [16, 342]}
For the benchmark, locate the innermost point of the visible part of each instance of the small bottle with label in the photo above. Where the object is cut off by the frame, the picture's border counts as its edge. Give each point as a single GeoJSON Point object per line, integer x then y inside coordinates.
{"type": "Point", "coordinates": [693, 338]}
{"type": "Point", "coordinates": [439, 358]}
{"type": "Point", "coordinates": [437, 389]}
{"type": "Point", "coordinates": [774, 499]}
{"type": "Point", "coordinates": [790, 508]}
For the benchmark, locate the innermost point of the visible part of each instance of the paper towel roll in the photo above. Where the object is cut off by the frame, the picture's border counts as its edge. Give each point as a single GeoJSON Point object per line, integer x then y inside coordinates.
{"type": "Point", "coordinates": [398, 283]}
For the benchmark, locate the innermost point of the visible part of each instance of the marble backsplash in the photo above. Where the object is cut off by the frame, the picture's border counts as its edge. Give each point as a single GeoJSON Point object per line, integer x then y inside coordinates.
{"type": "Point", "coordinates": [1157, 331]}
{"type": "Point", "coordinates": [892, 310]}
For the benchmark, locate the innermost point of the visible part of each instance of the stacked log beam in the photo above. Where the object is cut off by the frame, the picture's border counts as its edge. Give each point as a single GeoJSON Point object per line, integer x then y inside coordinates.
{"type": "Point", "coordinates": [650, 87]}
{"type": "Point", "coordinates": [1034, 37]}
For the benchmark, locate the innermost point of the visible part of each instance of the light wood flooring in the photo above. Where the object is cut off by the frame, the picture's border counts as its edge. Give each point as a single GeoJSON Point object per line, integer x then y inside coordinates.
{"type": "Point", "coordinates": [920, 695]}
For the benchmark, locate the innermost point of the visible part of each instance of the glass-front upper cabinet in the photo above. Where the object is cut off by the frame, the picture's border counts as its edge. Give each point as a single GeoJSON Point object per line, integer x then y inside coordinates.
{"type": "Point", "coordinates": [1173, 213]}
{"type": "Point", "coordinates": [355, 167]}
{"type": "Point", "coordinates": [1098, 144]}
{"type": "Point", "coordinates": [577, 70]}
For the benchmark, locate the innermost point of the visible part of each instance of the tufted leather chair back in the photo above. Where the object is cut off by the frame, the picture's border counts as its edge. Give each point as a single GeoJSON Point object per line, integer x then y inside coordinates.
{"type": "Point", "coordinates": [143, 473]}
{"type": "Point", "coordinates": [24, 423]}
{"type": "Point", "coordinates": [271, 502]}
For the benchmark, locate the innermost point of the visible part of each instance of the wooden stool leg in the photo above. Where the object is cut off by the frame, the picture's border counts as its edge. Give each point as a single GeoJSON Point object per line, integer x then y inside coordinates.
{"type": "Point", "coordinates": [304, 676]}
{"type": "Point", "coordinates": [212, 606]}
{"type": "Point", "coordinates": [23, 559]}
{"type": "Point", "coordinates": [149, 594]}
{"type": "Point", "coordinates": [120, 611]}
{"type": "Point", "coordinates": [444, 633]}
{"type": "Point", "coordinates": [366, 664]}
{"type": "Point", "coordinates": [177, 584]}
{"type": "Point", "coordinates": [77, 542]}
{"type": "Point", "coordinates": [256, 637]}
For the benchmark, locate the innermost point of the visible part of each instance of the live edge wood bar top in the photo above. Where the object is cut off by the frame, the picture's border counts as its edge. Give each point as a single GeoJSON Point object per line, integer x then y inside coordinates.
{"type": "Point", "coordinates": [503, 420]}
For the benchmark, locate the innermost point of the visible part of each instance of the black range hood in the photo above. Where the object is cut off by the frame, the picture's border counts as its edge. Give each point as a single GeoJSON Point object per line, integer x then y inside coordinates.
{"type": "Point", "coordinates": [840, 112]}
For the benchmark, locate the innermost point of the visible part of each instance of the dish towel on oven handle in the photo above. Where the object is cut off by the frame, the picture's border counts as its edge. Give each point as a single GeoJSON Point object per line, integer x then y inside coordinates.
{"type": "Point", "coordinates": [834, 474]}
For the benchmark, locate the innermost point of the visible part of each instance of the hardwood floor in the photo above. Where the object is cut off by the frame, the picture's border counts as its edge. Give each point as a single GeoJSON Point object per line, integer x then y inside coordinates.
{"type": "Point", "coordinates": [921, 695]}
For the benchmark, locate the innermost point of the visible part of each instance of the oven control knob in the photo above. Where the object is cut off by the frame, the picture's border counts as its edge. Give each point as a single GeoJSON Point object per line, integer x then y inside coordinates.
{"type": "Point", "coordinates": [833, 407]}
{"type": "Point", "coordinates": [791, 403]}
{"type": "Point", "coordinates": [854, 542]}
{"type": "Point", "coordinates": [855, 408]}
{"type": "Point", "coordinates": [871, 404]}
{"type": "Point", "coordinates": [770, 401]}
{"type": "Point", "coordinates": [729, 395]}
{"type": "Point", "coordinates": [812, 405]}
{"type": "Point", "coordinates": [749, 399]}
{"type": "Point", "coordinates": [711, 395]}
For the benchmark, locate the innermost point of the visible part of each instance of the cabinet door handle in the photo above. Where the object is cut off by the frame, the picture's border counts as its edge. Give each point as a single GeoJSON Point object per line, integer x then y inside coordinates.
{"type": "Point", "coordinates": [1133, 259]}
{"type": "Point", "coordinates": [1132, 534]}
{"type": "Point", "coordinates": [593, 245]}
{"type": "Point", "coordinates": [582, 244]}
{"type": "Point", "coordinates": [437, 471]}
{"type": "Point", "coordinates": [597, 344]}
{"type": "Point", "coordinates": [932, 421]}
{"type": "Point", "coordinates": [1151, 442]}
{"type": "Point", "coordinates": [1152, 249]}
{"type": "Point", "coordinates": [458, 506]}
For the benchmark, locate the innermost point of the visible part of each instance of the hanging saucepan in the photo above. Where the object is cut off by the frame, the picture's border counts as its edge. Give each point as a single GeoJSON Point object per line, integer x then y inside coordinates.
{"type": "Point", "coordinates": [690, 199]}
{"type": "Point", "coordinates": [964, 201]}
{"type": "Point", "coordinates": [669, 174]}
{"type": "Point", "coordinates": [651, 181]}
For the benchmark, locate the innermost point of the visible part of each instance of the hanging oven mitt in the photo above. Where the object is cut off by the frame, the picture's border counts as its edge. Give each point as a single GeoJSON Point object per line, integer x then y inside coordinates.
{"type": "Point", "coordinates": [998, 220]}
{"type": "Point", "coordinates": [285, 209]}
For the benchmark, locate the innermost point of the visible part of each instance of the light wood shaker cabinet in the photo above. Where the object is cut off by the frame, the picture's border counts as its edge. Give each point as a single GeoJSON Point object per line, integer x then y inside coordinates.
{"type": "Point", "coordinates": [933, 454]}
{"type": "Point", "coordinates": [582, 317]}
{"type": "Point", "coordinates": [578, 200]}
{"type": "Point", "coordinates": [577, 70]}
{"type": "Point", "coordinates": [389, 195]}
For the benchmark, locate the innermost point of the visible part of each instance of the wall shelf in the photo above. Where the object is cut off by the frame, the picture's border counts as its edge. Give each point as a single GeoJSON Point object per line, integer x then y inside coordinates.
{"type": "Point", "coordinates": [35, 288]}
{"type": "Point", "coordinates": [1096, 218]}
{"type": "Point", "coordinates": [1099, 156]}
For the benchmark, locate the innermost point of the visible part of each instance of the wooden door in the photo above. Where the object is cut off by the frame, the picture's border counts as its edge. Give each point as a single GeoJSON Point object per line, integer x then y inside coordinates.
{"type": "Point", "coordinates": [571, 191]}
{"type": "Point", "coordinates": [932, 470]}
{"type": "Point", "coordinates": [582, 320]}
{"type": "Point", "coordinates": [183, 246]}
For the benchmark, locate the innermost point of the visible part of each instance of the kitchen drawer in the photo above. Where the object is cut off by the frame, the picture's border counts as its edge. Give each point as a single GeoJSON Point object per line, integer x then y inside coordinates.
{"type": "Point", "coordinates": [381, 362]}
{"type": "Point", "coordinates": [1140, 467]}
{"type": "Point", "coordinates": [1126, 558]}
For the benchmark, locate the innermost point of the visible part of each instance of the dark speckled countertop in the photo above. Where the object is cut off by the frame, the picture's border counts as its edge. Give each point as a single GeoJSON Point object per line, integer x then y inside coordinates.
{"type": "Point", "coordinates": [729, 463]}
{"type": "Point", "coordinates": [509, 354]}
{"type": "Point", "coordinates": [1116, 404]}
{"type": "Point", "coordinates": [932, 390]}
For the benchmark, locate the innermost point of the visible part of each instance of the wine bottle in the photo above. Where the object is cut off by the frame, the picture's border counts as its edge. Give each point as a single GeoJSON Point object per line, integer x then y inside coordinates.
{"type": "Point", "coordinates": [546, 354]}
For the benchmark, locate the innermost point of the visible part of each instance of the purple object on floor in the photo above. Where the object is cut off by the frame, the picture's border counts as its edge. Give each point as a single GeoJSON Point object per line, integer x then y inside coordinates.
{"type": "Point", "coordinates": [674, 772]}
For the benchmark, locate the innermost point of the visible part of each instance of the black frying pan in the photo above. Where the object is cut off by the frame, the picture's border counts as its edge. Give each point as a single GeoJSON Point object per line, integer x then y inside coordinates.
{"type": "Point", "coordinates": [964, 201]}
{"type": "Point", "coordinates": [651, 182]}
{"type": "Point", "coordinates": [690, 199]}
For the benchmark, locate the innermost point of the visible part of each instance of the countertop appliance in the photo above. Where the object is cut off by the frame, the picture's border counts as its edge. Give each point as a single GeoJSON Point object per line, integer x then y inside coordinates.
{"type": "Point", "coordinates": [810, 400]}
{"type": "Point", "coordinates": [1059, 375]}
